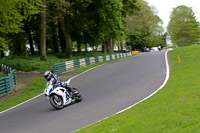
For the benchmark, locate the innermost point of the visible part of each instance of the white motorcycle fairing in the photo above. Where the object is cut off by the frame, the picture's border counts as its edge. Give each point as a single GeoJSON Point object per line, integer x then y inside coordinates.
{"type": "Point", "coordinates": [58, 90]}
{"type": "Point", "coordinates": [59, 96]}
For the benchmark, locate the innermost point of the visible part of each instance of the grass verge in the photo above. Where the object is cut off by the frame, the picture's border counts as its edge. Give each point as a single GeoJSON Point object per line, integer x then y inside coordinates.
{"type": "Point", "coordinates": [27, 89]}
{"type": "Point", "coordinates": [175, 108]}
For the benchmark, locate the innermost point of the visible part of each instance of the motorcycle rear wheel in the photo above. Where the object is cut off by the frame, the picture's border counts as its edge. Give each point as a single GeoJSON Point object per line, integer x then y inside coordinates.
{"type": "Point", "coordinates": [56, 101]}
{"type": "Point", "coordinates": [78, 96]}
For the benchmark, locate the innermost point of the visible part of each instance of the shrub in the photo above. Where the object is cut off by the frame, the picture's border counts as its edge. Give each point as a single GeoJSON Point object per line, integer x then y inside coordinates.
{"type": "Point", "coordinates": [33, 63]}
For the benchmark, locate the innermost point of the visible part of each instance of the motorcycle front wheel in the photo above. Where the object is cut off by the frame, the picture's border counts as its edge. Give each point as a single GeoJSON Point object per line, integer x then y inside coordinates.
{"type": "Point", "coordinates": [56, 101]}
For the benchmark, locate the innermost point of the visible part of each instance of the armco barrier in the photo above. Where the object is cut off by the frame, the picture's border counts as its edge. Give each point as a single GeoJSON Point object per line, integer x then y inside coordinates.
{"type": "Point", "coordinates": [74, 64]}
{"type": "Point", "coordinates": [7, 83]}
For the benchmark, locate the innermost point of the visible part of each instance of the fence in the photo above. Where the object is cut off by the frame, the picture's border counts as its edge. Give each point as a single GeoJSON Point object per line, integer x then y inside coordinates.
{"type": "Point", "coordinates": [7, 83]}
{"type": "Point", "coordinates": [74, 64]}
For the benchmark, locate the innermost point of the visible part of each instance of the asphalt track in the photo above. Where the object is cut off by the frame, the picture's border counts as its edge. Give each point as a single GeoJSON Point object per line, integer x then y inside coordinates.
{"type": "Point", "coordinates": [106, 90]}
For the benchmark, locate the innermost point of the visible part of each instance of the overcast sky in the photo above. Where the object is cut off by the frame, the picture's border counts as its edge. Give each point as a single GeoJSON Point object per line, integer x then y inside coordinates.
{"type": "Point", "coordinates": [165, 7]}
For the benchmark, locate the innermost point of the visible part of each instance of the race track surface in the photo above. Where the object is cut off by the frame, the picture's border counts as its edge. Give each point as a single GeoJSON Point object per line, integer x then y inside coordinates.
{"type": "Point", "coordinates": [106, 90]}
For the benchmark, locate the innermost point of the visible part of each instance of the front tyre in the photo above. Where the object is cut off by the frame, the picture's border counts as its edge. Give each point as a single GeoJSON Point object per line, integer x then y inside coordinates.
{"type": "Point", "coordinates": [56, 101]}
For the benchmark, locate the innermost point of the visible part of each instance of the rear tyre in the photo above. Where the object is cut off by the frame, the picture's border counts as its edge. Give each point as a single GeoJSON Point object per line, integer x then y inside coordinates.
{"type": "Point", "coordinates": [77, 96]}
{"type": "Point", "coordinates": [56, 101]}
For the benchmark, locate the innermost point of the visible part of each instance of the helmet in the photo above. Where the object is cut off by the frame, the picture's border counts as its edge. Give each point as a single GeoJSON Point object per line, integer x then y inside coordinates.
{"type": "Point", "coordinates": [48, 75]}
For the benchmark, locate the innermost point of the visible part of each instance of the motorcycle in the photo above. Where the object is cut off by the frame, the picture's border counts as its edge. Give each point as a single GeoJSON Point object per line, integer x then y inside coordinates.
{"type": "Point", "coordinates": [59, 96]}
{"type": "Point", "coordinates": [159, 48]}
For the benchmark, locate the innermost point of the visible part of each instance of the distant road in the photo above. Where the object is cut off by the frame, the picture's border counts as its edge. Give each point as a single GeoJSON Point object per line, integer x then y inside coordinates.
{"type": "Point", "coordinates": [106, 90]}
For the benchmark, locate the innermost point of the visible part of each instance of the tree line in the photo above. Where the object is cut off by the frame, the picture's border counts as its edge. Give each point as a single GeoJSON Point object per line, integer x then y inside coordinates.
{"type": "Point", "coordinates": [183, 28]}
{"type": "Point", "coordinates": [38, 27]}
{"type": "Point", "coordinates": [145, 29]}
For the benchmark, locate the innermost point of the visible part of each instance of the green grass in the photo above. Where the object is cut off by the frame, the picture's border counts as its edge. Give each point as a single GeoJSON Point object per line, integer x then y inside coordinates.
{"type": "Point", "coordinates": [169, 47]}
{"type": "Point", "coordinates": [2, 75]}
{"type": "Point", "coordinates": [33, 63]}
{"type": "Point", "coordinates": [174, 109]}
{"type": "Point", "coordinates": [36, 88]}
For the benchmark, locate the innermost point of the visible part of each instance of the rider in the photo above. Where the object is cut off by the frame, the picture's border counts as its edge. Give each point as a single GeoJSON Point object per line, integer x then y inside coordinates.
{"type": "Point", "coordinates": [48, 75]}
{"type": "Point", "coordinates": [159, 47]}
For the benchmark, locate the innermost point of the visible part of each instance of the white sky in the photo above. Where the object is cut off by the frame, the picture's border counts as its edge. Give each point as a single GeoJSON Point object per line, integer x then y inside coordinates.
{"type": "Point", "coordinates": [165, 8]}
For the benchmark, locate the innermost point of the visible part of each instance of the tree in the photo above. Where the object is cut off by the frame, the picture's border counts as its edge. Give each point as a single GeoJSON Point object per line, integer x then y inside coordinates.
{"type": "Point", "coordinates": [108, 22]}
{"type": "Point", "coordinates": [183, 26]}
{"type": "Point", "coordinates": [63, 8]}
{"type": "Point", "coordinates": [145, 28]}
{"type": "Point", "coordinates": [81, 20]}
{"type": "Point", "coordinates": [13, 15]}
{"type": "Point", "coordinates": [10, 21]}
{"type": "Point", "coordinates": [130, 7]}
{"type": "Point", "coordinates": [11, 18]}
{"type": "Point", "coordinates": [52, 26]}
{"type": "Point", "coordinates": [43, 32]}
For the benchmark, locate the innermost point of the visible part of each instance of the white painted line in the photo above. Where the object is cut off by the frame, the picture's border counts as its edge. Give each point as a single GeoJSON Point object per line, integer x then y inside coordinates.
{"type": "Point", "coordinates": [86, 71]}
{"type": "Point", "coordinates": [164, 83]}
{"type": "Point", "coordinates": [20, 104]}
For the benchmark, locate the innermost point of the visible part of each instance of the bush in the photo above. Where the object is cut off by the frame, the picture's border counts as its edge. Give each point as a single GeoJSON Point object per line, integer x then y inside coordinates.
{"type": "Point", "coordinates": [60, 55]}
{"type": "Point", "coordinates": [33, 63]}
{"type": "Point", "coordinates": [2, 75]}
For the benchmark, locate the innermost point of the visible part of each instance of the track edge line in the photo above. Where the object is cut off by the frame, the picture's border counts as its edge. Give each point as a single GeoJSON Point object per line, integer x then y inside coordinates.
{"type": "Point", "coordinates": [164, 83]}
